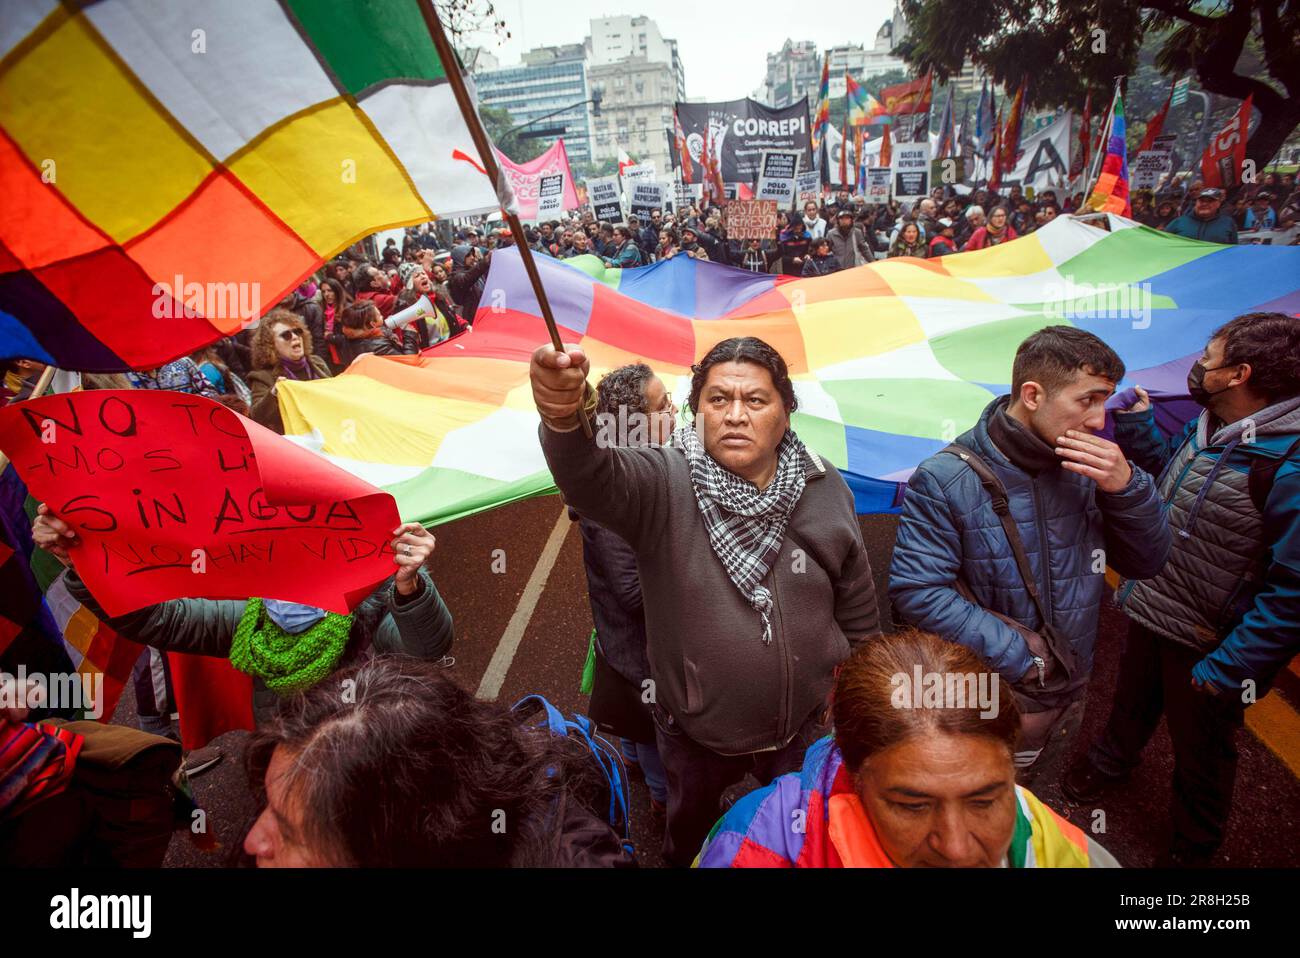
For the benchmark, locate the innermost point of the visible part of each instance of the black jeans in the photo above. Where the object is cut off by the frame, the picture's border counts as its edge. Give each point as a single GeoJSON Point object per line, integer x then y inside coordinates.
{"type": "Point", "coordinates": [697, 777]}
{"type": "Point", "coordinates": [1156, 677]}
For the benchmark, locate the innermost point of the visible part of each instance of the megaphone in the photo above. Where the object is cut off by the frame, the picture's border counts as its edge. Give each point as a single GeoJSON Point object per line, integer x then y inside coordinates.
{"type": "Point", "coordinates": [417, 310]}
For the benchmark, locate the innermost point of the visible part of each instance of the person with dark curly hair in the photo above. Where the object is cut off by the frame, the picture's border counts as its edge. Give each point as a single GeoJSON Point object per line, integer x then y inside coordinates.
{"type": "Point", "coordinates": [633, 408]}
{"type": "Point", "coordinates": [1209, 633]}
{"type": "Point", "coordinates": [754, 576]}
{"type": "Point", "coordinates": [412, 771]}
{"type": "Point", "coordinates": [282, 349]}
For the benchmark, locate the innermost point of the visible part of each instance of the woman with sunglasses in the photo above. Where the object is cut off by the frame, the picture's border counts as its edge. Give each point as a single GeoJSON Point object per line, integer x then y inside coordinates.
{"type": "Point", "coordinates": [282, 349]}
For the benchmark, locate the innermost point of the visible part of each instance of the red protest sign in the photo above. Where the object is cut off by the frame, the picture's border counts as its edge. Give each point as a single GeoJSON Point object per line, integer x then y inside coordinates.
{"type": "Point", "coordinates": [1222, 160]}
{"type": "Point", "coordinates": [174, 496]}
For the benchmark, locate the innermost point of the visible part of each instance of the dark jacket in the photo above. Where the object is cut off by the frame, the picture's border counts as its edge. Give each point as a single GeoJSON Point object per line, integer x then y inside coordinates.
{"type": "Point", "coordinates": [726, 689]}
{"type": "Point", "coordinates": [314, 317]}
{"type": "Point", "coordinates": [614, 590]}
{"type": "Point", "coordinates": [948, 529]}
{"type": "Point", "coordinates": [820, 265]}
{"type": "Point", "coordinates": [793, 244]}
{"type": "Point", "coordinates": [849, 249]}
{"type": "Point", "coordinates": [466, 287]}
{"type": "Point", "coordinates": [1231, 589]}
{"type": "Point", "coordinates": [385, 621]}
{"type": "Point", "coordinates": [388, 344]}
{"type": "Point", "coordinates": [265, 407]}
{"type": "Point", "coordinates": [1221, 229]}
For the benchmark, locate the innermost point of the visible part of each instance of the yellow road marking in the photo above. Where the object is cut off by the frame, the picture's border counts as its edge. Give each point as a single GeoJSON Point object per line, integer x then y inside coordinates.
{"type": "Point", "coordinates": [1275, 723]}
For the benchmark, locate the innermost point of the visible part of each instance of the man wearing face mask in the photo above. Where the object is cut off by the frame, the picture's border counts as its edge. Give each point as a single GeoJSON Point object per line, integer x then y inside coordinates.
{"type": "Point", "coordinates": [1209, 633]}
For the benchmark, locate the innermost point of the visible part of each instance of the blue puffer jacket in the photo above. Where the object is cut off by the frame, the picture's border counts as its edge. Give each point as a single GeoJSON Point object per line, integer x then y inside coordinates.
{"type": "Point", "coordinates": [948, 529]}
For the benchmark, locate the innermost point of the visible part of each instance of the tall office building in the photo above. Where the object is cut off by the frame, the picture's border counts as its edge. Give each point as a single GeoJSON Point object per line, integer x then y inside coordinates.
{"type": "Point", "coordinates": [548, 79]}
{"type": "Point", "coordinates": [640, 75]}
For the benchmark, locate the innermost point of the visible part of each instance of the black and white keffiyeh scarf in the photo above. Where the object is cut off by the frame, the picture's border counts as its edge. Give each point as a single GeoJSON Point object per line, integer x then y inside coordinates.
{"type": "Point", "coordinates": [745, 525]}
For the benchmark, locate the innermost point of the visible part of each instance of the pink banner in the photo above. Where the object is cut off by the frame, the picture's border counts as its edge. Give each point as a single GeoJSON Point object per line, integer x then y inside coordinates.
{"type": "Point", "coordinates": [528, 180]}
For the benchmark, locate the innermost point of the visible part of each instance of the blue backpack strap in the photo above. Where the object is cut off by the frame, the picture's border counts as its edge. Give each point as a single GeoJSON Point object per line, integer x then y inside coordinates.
{"type": "Point", "coordinates": [607, 757]}
{"type": "Point", "coordinates": [554, 719]}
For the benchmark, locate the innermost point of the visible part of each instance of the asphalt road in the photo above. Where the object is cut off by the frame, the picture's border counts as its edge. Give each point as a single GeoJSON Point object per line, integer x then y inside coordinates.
{"type": "Point", "coordinates": [549, 658]}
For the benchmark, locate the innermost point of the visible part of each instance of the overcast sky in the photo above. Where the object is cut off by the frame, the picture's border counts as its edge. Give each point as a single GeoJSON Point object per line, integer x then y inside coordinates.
{"type": "Point", "coordinates": [723, 43]}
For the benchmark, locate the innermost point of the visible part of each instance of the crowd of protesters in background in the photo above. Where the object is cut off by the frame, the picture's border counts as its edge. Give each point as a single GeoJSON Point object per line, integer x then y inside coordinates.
{"type": "Point", "coordinates": [346, 309]}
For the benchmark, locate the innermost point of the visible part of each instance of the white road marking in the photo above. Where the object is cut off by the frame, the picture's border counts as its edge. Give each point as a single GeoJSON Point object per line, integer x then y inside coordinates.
{"type": "Point", "coordinates": [495, 676]}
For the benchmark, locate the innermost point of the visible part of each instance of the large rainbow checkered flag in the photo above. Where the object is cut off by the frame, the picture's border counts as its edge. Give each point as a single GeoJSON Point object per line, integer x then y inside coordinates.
{"type": "Point", "coordinates": [890, 361]}
{"type": "Point", "coordinates": [170, 169]}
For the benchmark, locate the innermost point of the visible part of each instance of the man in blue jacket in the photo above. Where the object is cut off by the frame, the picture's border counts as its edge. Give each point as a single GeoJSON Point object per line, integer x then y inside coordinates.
{"type": "Point", "coordinates": [1077, 505]}
{"type": "Point", "coordinates": [1211, 631]}
{"type": "Point", "coordinates": [1204, 221]}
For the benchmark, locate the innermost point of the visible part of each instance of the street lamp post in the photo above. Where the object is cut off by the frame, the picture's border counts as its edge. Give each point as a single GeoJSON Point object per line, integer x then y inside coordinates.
{"type": "Point", "coordinates": [597, 94]}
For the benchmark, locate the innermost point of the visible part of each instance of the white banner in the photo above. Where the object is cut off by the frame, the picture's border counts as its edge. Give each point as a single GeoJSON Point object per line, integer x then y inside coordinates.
{"type": "Point", "coordinates": [606, 199]}
{"type": "Point", "coordinates": [1043, 159]}
{"type": "Point", "coordinates": [638, 171]}
{"type": "Point", "coordinates": [911, 170]}
{"type": "Point", "coordinates": [550, 194]}
{"type": "Point", "coordinates": [878, 180]}
{"type": "Point", "coordinates": [809, 185]}
{"type": "Point", "coordinates": [776, 177]}
{"type": "Point", "coordinates": [644, 197]}
{"type": "Point", "coordinates": [1149, 168]}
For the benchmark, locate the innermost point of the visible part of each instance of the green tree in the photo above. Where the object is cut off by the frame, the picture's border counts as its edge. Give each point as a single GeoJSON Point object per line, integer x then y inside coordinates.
{"type": "Point", "coordinates": [1236, 48]}
{"type": "Point", "coordinates": [498, 123]}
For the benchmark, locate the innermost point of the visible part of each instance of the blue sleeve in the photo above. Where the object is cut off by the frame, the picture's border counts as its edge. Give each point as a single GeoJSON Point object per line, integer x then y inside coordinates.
{"type": "Point", "coordinates": [1142, 441]}
{"type": "Point", "coordinates": [1268, 636]}
{"type": "Point", "coordinates": [922, 577]}
{"type": "Point", "coordinates": [1137, 536]}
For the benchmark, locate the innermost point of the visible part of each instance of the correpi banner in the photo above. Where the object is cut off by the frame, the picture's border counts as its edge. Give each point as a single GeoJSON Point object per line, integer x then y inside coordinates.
{"type": "Point", "coordinates": [742, 131]}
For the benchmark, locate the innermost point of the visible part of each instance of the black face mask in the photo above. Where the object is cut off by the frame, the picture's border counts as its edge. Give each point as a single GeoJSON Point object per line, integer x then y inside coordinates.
{"type": "Point", "coordinates": [1195, 383]}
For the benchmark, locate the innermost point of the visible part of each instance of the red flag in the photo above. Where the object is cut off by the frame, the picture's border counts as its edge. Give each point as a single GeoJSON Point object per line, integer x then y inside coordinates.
{"type": "Point", "coordinates": [995, 177]}
{"type": "Point", "coordinates": [1011, 135]}
{"type": "Point", "coordinates": [905, 98]}
{"type": "Point", "coordinates": [886, 151]}
{"type": "Point", "coordinates": [844, 153]}
{"type": "Point", "coordinates": [1081, 159]}
{"type": "Point", "coordinates": [683, 153]}
{"type": "Point", "coordinates": [1157, 123]}
{"type": "Point", "coordinates": [1221, 164]}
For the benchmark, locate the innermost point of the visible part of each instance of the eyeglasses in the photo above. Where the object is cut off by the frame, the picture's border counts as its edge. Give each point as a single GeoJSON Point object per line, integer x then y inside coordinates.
{"type": "Point", "coordinates": [289, 334]}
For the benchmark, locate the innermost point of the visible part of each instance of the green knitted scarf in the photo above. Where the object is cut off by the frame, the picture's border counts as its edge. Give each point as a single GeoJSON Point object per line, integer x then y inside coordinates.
{"type": "Point", "coordinates": [284, 661]}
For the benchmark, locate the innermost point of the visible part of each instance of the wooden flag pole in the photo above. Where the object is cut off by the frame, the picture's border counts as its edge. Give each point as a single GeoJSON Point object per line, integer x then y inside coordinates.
{"type": "Point", "coordinates": [451, 65]}
{"type": "Point", "coordinates": [42, 384]}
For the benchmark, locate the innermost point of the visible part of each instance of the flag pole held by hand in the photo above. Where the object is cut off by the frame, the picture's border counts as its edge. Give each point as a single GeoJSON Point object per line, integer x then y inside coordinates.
{"type": "Point", "coordinates": [484, 146]}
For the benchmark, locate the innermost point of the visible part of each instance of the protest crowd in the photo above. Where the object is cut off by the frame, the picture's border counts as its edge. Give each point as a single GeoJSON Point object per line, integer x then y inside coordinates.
{"type": "Point", "coordinates": [796, 718]}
